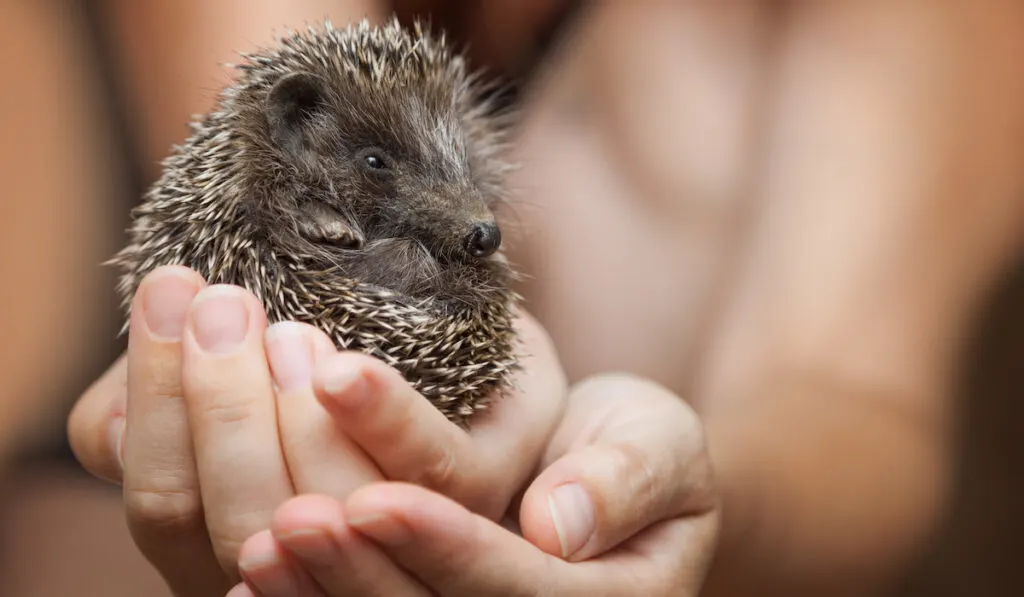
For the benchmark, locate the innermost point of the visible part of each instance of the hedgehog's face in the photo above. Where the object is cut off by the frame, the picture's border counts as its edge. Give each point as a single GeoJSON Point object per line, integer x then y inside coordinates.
{"type": "Point", "coordinates": [389, 165]}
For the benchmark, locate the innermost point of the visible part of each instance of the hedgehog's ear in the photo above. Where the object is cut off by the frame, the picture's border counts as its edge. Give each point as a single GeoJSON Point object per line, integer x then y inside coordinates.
{"type": "Point", "coordinates": [293, 104]}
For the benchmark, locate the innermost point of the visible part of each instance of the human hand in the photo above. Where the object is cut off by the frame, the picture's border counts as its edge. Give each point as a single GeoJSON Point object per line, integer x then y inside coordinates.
{"type": "Point", "coordinates": [627, 473]}
{"type": "Point", "coordinates": [207, 449]}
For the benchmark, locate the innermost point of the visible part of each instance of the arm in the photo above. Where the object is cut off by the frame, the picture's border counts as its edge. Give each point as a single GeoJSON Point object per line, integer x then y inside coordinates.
{"type": "Point", "coordinates": [188, 42]}
{"type": "Point", "coordinates": [892, 199]}
{"type": "Point", "coordinates": [55, 219]}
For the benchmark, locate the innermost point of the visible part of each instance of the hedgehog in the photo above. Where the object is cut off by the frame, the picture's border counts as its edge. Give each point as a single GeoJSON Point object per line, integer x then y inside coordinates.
{"type": "Point", "coordinates": [350, 179]}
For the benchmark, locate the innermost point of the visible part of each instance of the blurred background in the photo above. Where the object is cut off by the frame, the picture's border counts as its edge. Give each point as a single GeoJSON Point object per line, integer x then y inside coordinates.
{"type": "Point", "coordinates": [95, 93]}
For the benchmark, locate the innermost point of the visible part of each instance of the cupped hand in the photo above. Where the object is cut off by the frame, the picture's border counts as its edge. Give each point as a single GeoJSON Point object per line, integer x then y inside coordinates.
{"type": "Point", "coordinates": [212, 421]}
{"type": "Point", "coordinates": [624, 506]}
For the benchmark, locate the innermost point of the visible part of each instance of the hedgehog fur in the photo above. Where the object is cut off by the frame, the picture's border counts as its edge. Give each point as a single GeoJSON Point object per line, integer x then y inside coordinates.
{"type": "Point", "coordinates": [344, 178]}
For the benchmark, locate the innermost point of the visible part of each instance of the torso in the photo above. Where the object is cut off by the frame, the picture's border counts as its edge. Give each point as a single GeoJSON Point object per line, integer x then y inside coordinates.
{"type": "Point", "coordinates": [625, 257]}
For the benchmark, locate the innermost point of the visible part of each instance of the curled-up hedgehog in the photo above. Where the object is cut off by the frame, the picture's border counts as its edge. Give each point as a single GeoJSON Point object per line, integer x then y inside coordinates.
{"type": "Point", "coordinates": [349, 178]}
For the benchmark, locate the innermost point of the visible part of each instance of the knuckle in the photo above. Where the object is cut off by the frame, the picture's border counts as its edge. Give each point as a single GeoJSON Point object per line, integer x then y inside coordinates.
{"type": "Point", "coordinates": [162, 511]}
{"type": "Point", "coordinates": [479, 490]}
{"type": "Point", "coordinates": [163, 380]}
{"type": "Point", "coordinates": [643, 485]}
{"type": "Point", "coordinates": [228, 413]}
{"type": "Point", "coordinates": [439, 471]}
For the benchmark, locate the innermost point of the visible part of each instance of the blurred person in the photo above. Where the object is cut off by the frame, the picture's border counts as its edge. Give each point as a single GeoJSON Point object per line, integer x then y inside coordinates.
{"type": "Point", "coordinates": [61, 207]}
{"type": "Point", "coordinates": [800, 208]}
{"type": "Point", "coordinates": [52, 234]}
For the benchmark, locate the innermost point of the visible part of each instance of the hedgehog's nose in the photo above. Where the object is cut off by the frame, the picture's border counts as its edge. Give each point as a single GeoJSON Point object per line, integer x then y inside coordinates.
{"type": "Point", "coordinates": [483, 240]}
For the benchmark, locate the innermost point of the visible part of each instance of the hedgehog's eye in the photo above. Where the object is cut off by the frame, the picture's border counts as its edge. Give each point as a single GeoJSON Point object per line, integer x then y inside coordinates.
{"type": "Point", "coordinates": [374, 159]}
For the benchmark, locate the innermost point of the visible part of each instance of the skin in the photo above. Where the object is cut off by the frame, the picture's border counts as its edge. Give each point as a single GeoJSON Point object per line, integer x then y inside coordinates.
{"type": "Point", "coordinates": [189, 418]}
{"type": "Point", "coordinates": [34, 233]}
{"type": "Point", "coordinates": [856, 149]}
{"type": "Point", "coordinates": [859, 189]}
{"type": "Point", "coordinates": [349, 429]}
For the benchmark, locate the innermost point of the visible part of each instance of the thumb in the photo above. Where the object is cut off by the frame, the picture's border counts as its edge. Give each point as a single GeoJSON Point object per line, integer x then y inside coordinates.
{"type": "Point", "coordinates": [628, 454]}
{"type": "Point", "coordinates": [95, 425]}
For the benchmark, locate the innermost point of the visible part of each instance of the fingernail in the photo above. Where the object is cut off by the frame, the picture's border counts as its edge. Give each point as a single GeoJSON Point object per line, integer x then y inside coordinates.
{"type": "Point", "coordinates": [573, 515]}
{"type": "Point", "coordinates": [345, 383]}
{"type": "Point", "coordinates": [117, 430]}
{"type": "Point", "coordinates": [165, 302]}
{"type": "Point", "coordinates": [290, 353]}
{"type": "Point", "coordinates": [382, 528]}
{"type": "Point", "coordinates": [220, 319]}
{"type": "Point", "coordinates": [268, 574]}
{"type": "Point", "coordinates": [312, 545]}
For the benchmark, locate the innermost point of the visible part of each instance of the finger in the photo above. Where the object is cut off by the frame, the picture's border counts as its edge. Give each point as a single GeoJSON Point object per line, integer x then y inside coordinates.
{"type": "Point", "coordinates": [270, 572]}
{"type": "Point", "coordinates": [455, 552]}
{"type": "Point", "coordinates": [313, 531]}
{"type": "Point", "coordinates": [407, 437]}
{"type": "Point", "coordinates": [451, 550]}
{"type": "Point", "coordinates": [232, 414]}
{"type": "Point", "coordinates": [240, 590]}
{"type": "Point", "coordinates": [642, 460]}
{"type": "Point", "coordinates": [96, 423]}
{"type": "Point", "coordinates": [320, 457]}
{"type": "Point", "coordinates": [410, 440]}
{"type": "Point", "coordinates": [161, 486]}
{"type": "Point", "coordinates": [510, 437]}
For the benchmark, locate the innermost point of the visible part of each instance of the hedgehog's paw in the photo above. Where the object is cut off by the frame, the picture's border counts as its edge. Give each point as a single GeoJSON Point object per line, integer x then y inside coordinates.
{"type": "Point", "coordinates": [323, 224]}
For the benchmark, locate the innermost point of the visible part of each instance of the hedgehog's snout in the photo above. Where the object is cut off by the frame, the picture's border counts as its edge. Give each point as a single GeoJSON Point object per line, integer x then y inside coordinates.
{"type": "Point", "coordinates": [483, 239]}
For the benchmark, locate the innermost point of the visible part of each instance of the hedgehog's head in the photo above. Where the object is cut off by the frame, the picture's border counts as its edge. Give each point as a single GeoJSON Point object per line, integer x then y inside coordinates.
{"type": "Point", "coordinates": [389, 141]}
